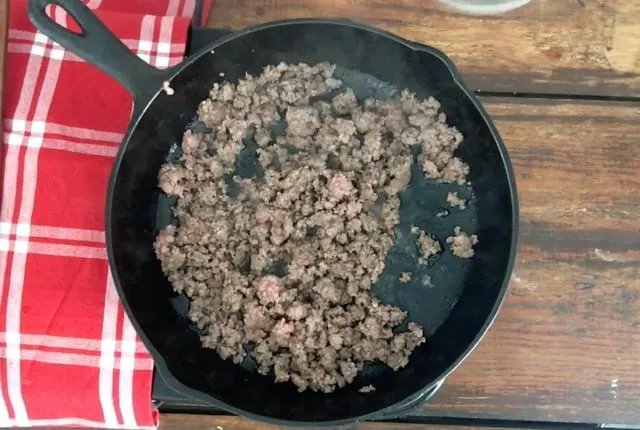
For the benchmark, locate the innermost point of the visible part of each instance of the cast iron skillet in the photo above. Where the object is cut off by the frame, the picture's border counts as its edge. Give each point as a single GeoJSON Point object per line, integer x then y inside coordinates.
{"type": "Point", "coordinates": [455, 300]}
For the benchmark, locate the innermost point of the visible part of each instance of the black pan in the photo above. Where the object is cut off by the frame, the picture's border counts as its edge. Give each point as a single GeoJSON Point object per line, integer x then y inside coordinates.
{"type": "Point", "coordinates": [455, 300]}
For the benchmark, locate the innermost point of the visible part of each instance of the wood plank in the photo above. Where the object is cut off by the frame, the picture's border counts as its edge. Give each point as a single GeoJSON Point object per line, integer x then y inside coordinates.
{"type": "Point", "coordinates": [566, 343]}
{"type": "Point", "coordinates": [551, 46]}
{"type": "Point", "coordinates": [565, 346]}
{"type": "Point", "coordinates": [226, 422]}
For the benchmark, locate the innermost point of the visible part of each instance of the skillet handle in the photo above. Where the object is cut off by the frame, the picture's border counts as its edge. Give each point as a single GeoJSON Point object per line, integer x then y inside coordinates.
{"type": "Point", "coordinates": [99, 47]}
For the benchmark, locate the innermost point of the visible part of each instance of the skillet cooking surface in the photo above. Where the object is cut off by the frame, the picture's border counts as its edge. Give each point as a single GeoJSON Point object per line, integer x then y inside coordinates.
{"type": "Point", "coordinates": [434, 288]}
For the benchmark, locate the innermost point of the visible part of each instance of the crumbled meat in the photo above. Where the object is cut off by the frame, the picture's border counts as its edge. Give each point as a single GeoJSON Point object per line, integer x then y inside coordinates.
{"type": "Point", "coordinates": [442, 213]}
{"type": "Point", "coordinates": [340, 187]}
{"type": "Point", "coordinates": [456, 201]}
{"type": "Point", "coordinates": [427, 245]}
{"type": "Point", "coordinates": [302, 121]}
{"type": "Point", "coordinates": [191, 142]}
{"type": "Point", "coordinates": [461, 243]}
{"type": "Point", "coordinates": [405, 277]}
{"type": "Point", "coordinates": [269, 289]}
{"type": "Point", "coordinates": [166, 87]}
{"type": "Point", "coordinates": [345, 103]}
{"type": "Point", "coordinates": [455, 171]}
{"type": "Point", "coordinates": [367, 389]}
{"type": "Point", "coordinates": [170, 179]}
{"type": "Point", "coordinates": [286, 259]}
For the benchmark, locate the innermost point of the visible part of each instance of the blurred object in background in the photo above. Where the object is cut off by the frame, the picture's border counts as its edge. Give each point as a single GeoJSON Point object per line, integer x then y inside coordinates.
{"type": "Point", "coordinates": [485, 6]}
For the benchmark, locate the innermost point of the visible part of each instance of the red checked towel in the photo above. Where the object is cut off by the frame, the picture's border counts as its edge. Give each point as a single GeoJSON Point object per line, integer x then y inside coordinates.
{"type": "Point", "coordinates": [68, 354]}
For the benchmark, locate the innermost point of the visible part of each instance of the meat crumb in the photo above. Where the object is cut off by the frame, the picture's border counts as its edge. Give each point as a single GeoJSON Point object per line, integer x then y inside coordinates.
{"type": "Point", "coordinates": [455, 201]}
{"type": "Point", "coordinates": [442, 213]}
{"type": "Point", "coordinates": [166, 87]}
{"type": "Point", "coordinates": [461, 243]}
{"type": "Point", "coordinates": [286, 260]}
{"type": "Point", "coordinates": [367, 389]}
{"type": "Point", "coordinates": [405, 277]}
{"type": "Point", "coordinates": [427, 245]}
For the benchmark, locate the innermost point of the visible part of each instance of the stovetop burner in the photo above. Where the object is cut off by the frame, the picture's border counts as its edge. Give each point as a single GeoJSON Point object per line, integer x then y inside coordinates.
{"type": "Point", "coordinates": [163, 396]}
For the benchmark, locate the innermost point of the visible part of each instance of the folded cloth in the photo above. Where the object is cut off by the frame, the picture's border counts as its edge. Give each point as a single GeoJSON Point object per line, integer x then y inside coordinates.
{"type": "Point", "coordinates": [68, 354]}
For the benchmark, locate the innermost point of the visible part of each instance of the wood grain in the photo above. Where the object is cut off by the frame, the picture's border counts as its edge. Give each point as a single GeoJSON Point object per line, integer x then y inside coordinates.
{"type": "Point", "coordinates": [565, 346]}
{"type": "Point", "coordinates": [573, 47]}
{"type": "Point", "coordinates": [226, 422]}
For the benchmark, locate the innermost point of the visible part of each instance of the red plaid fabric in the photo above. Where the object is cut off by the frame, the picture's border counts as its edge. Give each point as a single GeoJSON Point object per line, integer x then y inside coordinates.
{"type": "Point", "coordinates": [68, 354]}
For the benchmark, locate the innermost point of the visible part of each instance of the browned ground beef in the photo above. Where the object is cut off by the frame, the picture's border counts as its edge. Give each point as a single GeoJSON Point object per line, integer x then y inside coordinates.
{"type": "Point", "coordinates": [324, 209]}
{"type": "Point", "coordinates": [405, 277]}
{"type": "Point", "coordinates": [367, 389]}
{"type": "Point", "coordinates": [456, 201]}
{"type": "Point", "coordinates": [427, 245]}
{"type": "Point", "coordinates": [462, 244]}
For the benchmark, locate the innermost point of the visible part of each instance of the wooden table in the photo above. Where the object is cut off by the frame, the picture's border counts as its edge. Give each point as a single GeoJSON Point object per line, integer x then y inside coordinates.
{"type": "Point", "coordinates": [561, 79]}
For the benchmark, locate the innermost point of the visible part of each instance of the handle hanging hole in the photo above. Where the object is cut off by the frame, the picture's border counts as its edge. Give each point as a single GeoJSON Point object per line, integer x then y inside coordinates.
{"type": "Point", "coordinates": [60, 16]}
